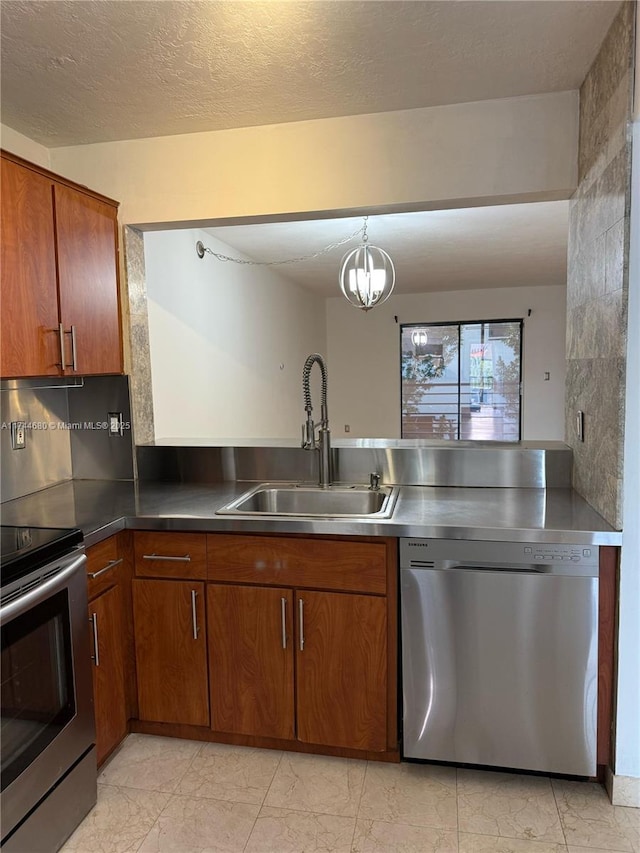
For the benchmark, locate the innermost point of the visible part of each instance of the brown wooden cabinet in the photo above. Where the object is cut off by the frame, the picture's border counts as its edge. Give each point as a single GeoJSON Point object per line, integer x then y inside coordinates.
{"type": "Point", "coordinates": [179, 556]}
{"type": "Point", "coordinates": [341, 670]}
{"type": "Point", "coordinates": [313, 661]}
{"type": "Point", "coordinates": [299, 648]}
{"type": "Point", "coordinates": [251, 639]}
{"type": "Point", "coordinates": [106, 618]}
{"type": "Point", "coordinates": [171, 651]}
{"type": "Point", "coordinates": [30, 342]}
{"type": "Point", "coordinates": [170, 627]}
{"type": "Point", "coordinates": [108, 591]}
{"type": "Point", "coordinates": [59, 276]}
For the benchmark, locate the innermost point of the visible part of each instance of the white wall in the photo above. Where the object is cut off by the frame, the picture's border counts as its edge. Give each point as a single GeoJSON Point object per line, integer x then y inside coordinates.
{"type": "Point", "coordinates": [219, 333]}
{"type": "Point", "coordinates": [364, 355]}
{"type": "Point", "coordinates": [21, 145]}
{"type": "Point", "coordinates": [627, 751]}
{"type": "Point", "coordinates": [449, 156]}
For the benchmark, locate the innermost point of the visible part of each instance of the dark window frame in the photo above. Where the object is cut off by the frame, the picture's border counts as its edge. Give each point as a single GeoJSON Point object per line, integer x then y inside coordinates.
{"type": "Point", "coordinates": [460, 324]}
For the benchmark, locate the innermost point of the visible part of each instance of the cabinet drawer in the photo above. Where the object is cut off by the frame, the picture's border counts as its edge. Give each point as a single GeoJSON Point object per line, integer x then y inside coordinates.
{"type": "Point", "coordinates": [171, 555]}
{"type": "Point", "coordinates": [103, 562]}
{"type": "Point", "coordinates": [302, 563]}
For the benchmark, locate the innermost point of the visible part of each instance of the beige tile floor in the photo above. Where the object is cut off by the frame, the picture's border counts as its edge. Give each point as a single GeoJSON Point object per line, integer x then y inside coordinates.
{"type": "Point", "coordinates": [160, 795]}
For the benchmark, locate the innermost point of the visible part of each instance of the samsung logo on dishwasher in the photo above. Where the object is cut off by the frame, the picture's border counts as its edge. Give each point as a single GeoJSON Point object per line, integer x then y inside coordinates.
{"type": "Point", "coordinates": [418, 544]}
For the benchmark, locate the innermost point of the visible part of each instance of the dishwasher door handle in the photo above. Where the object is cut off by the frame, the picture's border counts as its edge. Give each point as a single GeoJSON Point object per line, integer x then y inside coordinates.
{"type": "Point", "coordinates": [502, 568]}
{"type": "Point", "coordinates": [516, 570]}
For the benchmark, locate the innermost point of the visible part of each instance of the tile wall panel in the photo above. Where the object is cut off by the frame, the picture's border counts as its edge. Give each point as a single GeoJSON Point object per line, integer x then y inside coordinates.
{"type": "Point", "coordinates": [141, 390]}
{"type": "Point", "coordinates": [597, 277]}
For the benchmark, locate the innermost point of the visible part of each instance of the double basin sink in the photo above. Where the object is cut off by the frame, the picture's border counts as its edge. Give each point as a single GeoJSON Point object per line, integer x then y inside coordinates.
{"type": "Point", "coordinates": [302, 500]}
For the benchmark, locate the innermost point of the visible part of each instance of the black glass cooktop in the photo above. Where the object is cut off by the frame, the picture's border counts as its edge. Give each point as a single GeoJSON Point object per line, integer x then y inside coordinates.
{"type": "Point", "coordinates": [23, 549]}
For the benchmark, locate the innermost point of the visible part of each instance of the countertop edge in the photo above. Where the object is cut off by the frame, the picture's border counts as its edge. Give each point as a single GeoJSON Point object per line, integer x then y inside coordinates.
{"type": "Point", "coordinates": [351, 529]}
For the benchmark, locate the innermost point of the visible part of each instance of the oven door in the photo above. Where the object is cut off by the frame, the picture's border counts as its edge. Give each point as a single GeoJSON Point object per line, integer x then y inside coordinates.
{"type": "Point", "coordinates": [46, 709]}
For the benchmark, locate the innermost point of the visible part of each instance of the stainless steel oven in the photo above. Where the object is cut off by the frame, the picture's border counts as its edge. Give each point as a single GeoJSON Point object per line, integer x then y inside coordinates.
{"type": "Point", "coordinates": [48, 765]}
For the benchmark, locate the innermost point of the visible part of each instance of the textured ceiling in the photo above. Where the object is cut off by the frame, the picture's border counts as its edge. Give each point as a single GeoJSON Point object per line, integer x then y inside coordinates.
{"type": "Point", "coordinates": [507, 246]}
{"type": "Point", "coordinates": [83, 71]}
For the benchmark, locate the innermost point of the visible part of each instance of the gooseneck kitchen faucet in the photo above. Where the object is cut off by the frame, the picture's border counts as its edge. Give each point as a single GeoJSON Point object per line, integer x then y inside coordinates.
{"type": "Point", "coordinates": [309, 441]}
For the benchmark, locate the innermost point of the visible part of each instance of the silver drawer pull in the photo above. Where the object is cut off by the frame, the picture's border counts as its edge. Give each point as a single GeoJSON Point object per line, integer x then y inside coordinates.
{"type": "Point", "coordinates": [185, 559]}
{"type": "Point", "coordinates": [74, 351]}
{"type": "Point", "coordinates": [283, 613]}
{"type": "Point", "coordinates": [74, 348]}
{"type": "Point", "coordinates": [194, 614]}
{"type": "Point", "coordinates": [61, 339]}
{"type": "Point", "coordinates": [93, 619]}
{"type": "Point", "coordinates": [301, 610]}
{"type": "Point", "coordinates": [111, 565]}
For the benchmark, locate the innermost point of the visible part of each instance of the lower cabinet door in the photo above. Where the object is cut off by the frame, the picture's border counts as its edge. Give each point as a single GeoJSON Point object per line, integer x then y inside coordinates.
{"type": "Point", "coordinates": [250, 633]}
{"type": "Point", "coordinates": [171, 651]}
{"type": "Point", "coordinates": [107, 629]}
{"type": "Point", "coordinates": [341, 669]}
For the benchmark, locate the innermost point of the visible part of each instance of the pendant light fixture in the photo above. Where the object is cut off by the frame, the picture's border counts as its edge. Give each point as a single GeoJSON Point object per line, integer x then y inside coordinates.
{"type": "Point", "coordinates": [422, 349]}
{"type": "Point", "coordinates": [419, 339]}
{"type": "Point", "coordinates": [367, 274]}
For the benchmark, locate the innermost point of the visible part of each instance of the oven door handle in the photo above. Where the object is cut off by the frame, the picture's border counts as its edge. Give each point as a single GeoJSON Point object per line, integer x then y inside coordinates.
{"type": "Point", "coordinates": [45, 589]}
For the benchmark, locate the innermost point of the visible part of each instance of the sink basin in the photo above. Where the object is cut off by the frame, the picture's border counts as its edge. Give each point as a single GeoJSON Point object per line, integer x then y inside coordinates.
{"type": "Point", "coordinates": [305, 500]}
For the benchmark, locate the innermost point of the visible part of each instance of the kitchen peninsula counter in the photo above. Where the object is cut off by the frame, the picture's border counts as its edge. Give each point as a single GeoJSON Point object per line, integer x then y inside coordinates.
{"type": "Point", "coordinates": [102, 507]}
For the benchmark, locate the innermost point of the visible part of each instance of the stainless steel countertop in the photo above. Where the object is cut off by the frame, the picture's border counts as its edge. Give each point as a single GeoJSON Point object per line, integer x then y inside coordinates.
{"type": "Point", "coordinates": [102, 507]}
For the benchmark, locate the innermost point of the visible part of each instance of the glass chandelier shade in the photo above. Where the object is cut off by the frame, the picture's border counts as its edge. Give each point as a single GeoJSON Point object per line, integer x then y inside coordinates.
{"type": "Point", "coordinates": [367, 275]}
{"type": "Point", "coordinates": [419, 339]}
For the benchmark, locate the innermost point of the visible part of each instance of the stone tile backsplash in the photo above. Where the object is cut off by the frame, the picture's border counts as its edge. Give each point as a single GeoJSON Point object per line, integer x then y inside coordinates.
{"type": "Point", "coordinates": [597, 275]}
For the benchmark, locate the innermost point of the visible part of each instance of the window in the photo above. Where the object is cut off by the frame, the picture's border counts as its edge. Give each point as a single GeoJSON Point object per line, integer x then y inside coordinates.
{"type": "Point", "coordinates": [462, 380]}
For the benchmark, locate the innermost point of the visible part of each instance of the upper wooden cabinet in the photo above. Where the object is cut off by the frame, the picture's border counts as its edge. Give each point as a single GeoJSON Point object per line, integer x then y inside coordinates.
{"type": "Point", "coordinates": [30, 341]}
{"type": "Point", "coordinates": [59, 280]}
{"type": "Point", "coordinates": [86, 232]}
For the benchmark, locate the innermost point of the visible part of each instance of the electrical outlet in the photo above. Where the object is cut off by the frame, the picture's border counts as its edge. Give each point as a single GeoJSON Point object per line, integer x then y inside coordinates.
{"type": "Point", "coordinates": [347, 428]}
{"type": "Point", "coordinates": [18, 435]}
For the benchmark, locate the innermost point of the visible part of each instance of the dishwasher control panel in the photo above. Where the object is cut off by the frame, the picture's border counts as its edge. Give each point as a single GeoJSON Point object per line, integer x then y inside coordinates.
{"type": "Point", "coordinates": [555, 557]}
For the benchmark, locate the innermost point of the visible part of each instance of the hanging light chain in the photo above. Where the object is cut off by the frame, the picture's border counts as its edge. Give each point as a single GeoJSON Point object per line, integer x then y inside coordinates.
{"type": "Point", "coordinates": [201, 249]}
{"type": "Point", "coordinates": [367, 274]}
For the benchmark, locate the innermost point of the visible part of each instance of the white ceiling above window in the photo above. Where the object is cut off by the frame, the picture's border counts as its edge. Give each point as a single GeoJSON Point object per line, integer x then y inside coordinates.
{"type": "Point", "coordinates": [82, 71]}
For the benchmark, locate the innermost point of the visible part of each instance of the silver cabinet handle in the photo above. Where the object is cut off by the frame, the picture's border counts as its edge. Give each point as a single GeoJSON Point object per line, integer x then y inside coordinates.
{"type": "Point", "coordinates": [61, 337]}
{"type": "Point", "coordinates": [110, 565]}
{"type": "Point", "coordinates": [94, 624]}
{"type": "Point", "coordinates": [283, 614]}
{"type": "Point", "coordinates": [74, 347]}
{"type": "Point", "coordinates": [194, 614]}
{"type": "Point", "coordinates": [301, 611]}
{"type": "Point", "coordinates": [74, 352]}
{"type": "Point", "coordinates": [185, 559]}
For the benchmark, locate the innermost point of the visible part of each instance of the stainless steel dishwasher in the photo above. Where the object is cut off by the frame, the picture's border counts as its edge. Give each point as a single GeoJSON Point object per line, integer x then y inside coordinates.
{"type": "Point", "coordinates": [500, 653]}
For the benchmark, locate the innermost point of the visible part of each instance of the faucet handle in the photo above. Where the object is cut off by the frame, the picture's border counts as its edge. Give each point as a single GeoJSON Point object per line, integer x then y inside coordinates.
{"type": "Point", "coordinates": [374, 481]}
{"type": "Point", "coordinates": [308, 435]}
